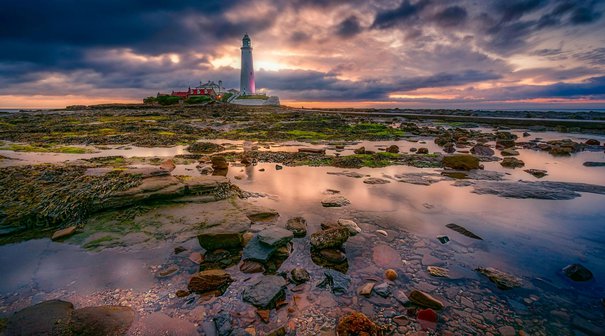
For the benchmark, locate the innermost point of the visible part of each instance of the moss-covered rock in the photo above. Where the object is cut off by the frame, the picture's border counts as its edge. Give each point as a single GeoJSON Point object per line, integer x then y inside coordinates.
{"type": "Point", "coordinates": [461, 162]}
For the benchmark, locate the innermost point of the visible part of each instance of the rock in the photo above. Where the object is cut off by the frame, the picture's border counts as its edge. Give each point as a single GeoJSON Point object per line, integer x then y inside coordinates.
{"type": "Point", "coordinates": [205, 169]}
{"type": "Point", "coordinates": [507, 331]}
{"type": "Point", "coordinates": [427, 315]}
{"type": "Point", "coordinates": [413, 149]}
{"type": "Point", "coordinates": [196, 257]}
{"type": "Point", "coordinates": [249, 266]}
{"type": "Point", "coordinates": [463, 231]}
{"type": "Point", "coordinates": [422, 150]}
{"type": "Point", "coordinates": [299, 275]}
{"type": "Point", "coordinates": [560, 151]}
{"type": "Point", "coordinates": [577, 272]}
{"type": "Point", "coordinates": [382, 232]}
{"type": "Point", "coordinates": [384, 289]}
{"type": "Point", "coordinates": [333, 255]}
{"type": "Point", "coordinates": [482, 150]}
{"type": "Point", "coordinates": [265, 291]}
{"type": "Point", "coordinates": [225, 240]}
{"type": "Point", "coordinates": [390, 274]}
{"type": "Point", "coordinates": [182, 293]}
{"type": "Point", "coordinates": [258, 251]}
{"type": "Point", "coordinates": [509, 152]}
{"type": "Point", "coordinates": [366, 290]}
{"type": "Point", "coordinates": [502, 280]}
{"type": "Point", "coordinates": [102, 321]}
{"type": "Point", "coordinates": [539, 173]}
{"type": "Point", "coordinates": [537, 190]}
{"type": "Point", "coordinates": [158, 323]}
{"type": "Point", "coordinates": [360, 150]}
{"type": "Point", "coordinates": [401, 297]}
{"type": "Point", "coordinates": [335, 201]}
{"type": "Point", "coordinates": [179, 249]}
{"type": "Point", "coordinates": [168, 165]}
{"type": "Point", "coordinates": [298, 226]}
{"type": "Point", "coordinates": [329, 238]}
{"type": "Point", "coordinates": [425, 300]}
{"type": "Point", "coordinates": [264, 314]}
{"type": "Point", "coordinates": [392, 149]}
{"type": "Point", "coordinates": [278, 167]}
{"type": "Point", "coordinates": [526, 134]}
{"type": "Point", "coordinates": [339, 282]}
{"type": "Point", "coordinates": [63, 233]}
{"type": "Point", "coordinates": [376, 180]}
{"type": "Point", "coordinates": [594, 164]}
{"type": "Point", "coordinates": [438, 271]}
{"type": "Point", "coordinates": [356, 324]}
{"type": "Point", "coordinates": [168, 271]}
{"type": "Point", "coordinates": [350, 225]}
{"type": "Point", "coordinates": [511, 162]}
{"type": "Point", "coordinates": [223, 324]}
{"type": "Point", "coordinates": [45, 318]}
{"type": "Point", "coordinates": [443, 239]}
{"type": "Point", "coordinates": [275, 236]}
{"type": "Point", "coordinates": [210, 280]}
{"type": "Point", "coordinates": [204, 147]}
{"type": "Point", "coordinates": [312, 150]}
{"type": "Point", "coordinates": [461, 162]}
{"type": "Point", "coordinates": [219, 163]}
{"type": "Point", "coordinates": [592, 142]}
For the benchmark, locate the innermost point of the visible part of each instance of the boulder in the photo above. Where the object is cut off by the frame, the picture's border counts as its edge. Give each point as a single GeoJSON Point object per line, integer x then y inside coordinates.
{"type": "Point", "coordinates": [577, 272]}
{"type": "Point", "coordinates": [392, 149]}
{"type": "Point", "coordinates": [509, 152]}
{"type": "Point", "coordinates": [482, 150]}
{"type": "Point", "coordinates": [265, 291]}
{"type": "Point", "coordinates": [102, 321]}
{"type": "Point", "coordinates": [350, 225]}
{"type": "Point", "coordinates": [45, 318]}
{"type": "Point", "coordinates": [299, 275]}
{"type": "Point", "coordinates": [461, 162]}
{"type": "Point", "coordinates": [501, 279]}
{"type": "Point", "coordinates": [298, 226]}
{"type": "Point", "coordinates": [275, 236]}
{"type": "Point", "coordinates": [422, 150]}
{"type": "Point", "coordinates": [335, 201]}
{"type": "Point", "coordinates": [219, 163]}
{"type": "Point", "coordinates": [356, 323]}
{"type": "Point", "coordinates": [334, 237]}
{"type": "Point", "coordinates": [425, 300]}
{"type": "Point", "coordinates": [220, 240]}
{"type": "Point", "coordinates": [258, 251]}
{"type": "Point", "coordinates": [592, 142]}
{"type": "Point", "coordinates": [63, 233]}
{"type": "Point", "coordinates": [511, 162]}
{"type": "Point", "coordinates": [210, 280]}
{"type": "Point", "coordinates": [168, 165]}
{"type": "Point", "coordinates": [539, 173]}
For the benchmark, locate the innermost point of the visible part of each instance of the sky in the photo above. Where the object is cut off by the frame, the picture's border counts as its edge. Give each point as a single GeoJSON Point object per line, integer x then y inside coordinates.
{"type": "Point", "coordinates": [468, 54]}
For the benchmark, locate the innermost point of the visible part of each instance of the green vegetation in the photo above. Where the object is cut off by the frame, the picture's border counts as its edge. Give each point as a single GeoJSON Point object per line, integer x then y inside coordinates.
{"type": "Point", "coordinates": [45, 149]}
{"type": "Point", "coordinates": [256, 96]}
{"type": "Point", "coordinates": [198, 100]}
{"type": "Point", "coordinates": [226, 96]}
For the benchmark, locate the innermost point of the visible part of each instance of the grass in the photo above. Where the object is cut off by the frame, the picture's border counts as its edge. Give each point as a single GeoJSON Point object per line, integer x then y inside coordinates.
{"type": "Point", "coordinates": [46, 149]}
{"type": "Point", "coordinates": [258, 96]}
{"type": "Point", "coordinates": [165, 133]}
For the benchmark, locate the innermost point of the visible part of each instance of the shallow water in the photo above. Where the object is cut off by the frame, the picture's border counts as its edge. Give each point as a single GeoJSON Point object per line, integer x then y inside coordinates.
{"type": "Point", "coordinates": [528, 238]}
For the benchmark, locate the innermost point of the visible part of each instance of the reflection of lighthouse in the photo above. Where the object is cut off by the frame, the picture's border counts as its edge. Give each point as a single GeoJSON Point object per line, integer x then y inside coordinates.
{"type": "Point", "coordinates": [246, 86]}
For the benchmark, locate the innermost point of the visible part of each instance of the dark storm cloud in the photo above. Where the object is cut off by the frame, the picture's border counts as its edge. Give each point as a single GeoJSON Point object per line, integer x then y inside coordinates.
{"type": "Point", "coordinates": [404, 13]}
{"type": "Point", "coordinates": [349, 27]}
{"type": "Point", "coordinates": [451, 16]}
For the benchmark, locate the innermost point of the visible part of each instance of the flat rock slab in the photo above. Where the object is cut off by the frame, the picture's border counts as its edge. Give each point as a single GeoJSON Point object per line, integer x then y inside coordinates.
{"type": "Point", "coordinates": [265, 291]}
{"type": "Point", "coordinates": [102, 321]}
{"type": "Point", "coordinates": [386, 256]}
{"type": "Point", "coordinates": [46, 318]}
{"type": "Point", "coordinates": [501, 279]}
{"type": "Point", "coordinates": [68, 231]}
{"type": "Point", "coordinates": [256, 250]}
{"type": "Point", "coordinates": [425, 300]}
{"type": "Point", "coordinates": [548, 190]}
{"type": "Point", "coordinates": [339, 282]}
{"type": "Point", "coordinates": [335, 201]}
{"type": "Point", "coordinates": [209, 280]}
{"type": "Point", "coordinates": [275, 236]}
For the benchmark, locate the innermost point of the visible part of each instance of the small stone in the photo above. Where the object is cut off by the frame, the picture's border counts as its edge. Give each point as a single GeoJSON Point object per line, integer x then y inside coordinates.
{"type": "Point", "coordinates": [501, 279]}
{"type": "Point", "coordinates": [168, 165]}
{"type": "Point", "coordinates": [401, 297]}
{"type": "Point", "coordinates": [509, 152]}
{"type": "Point", "coordinates": [366, 290]}
{"type": "Point", "coordinates": [390, 274]}
{"type": "Point", "coordinates": [335, 201]}
{"type": "Point", "coordinates": [264, 315]}
{"type": "Point", "coordinates": [356, 323]}
{"type": "Point", "coordinates": [182, 293]}
{"type": "Point", "coordinates": [422, 150]}
{"type": "Point", "coordinates": [298, 226]}
{"type": "Point", "coordinates": [539, 173]}
{"type": "Point", "coordinates": [278, 167]}
{"type": "Point", "coordinates": [333, 255]}
{"type": "Point", "coordinates": [179, 249]}
{"type": "Point", "coordinates": [167, 272]}
{"type": "Point", "coordinates": [210, 280]}
{"type": "Point", "coordinates": [376, 180]}
{"type": "Point", "coordinates": [392, 149]}
{"type": "Point", "coordinates": [329, 238]}
{"type": "Point", "coordinates": [249, 266]}
{"type": "Point", "coordinates": [384, 289]}
{"type": "Point", "coordinates": [438, 271]}
{"type": "Point", "coordinates": [577, 272]}
{"type": "Point", "coordinates": [63, 233]}
{"type": "Point", "coordinates": [351, 225]}
{"type": "Point", "coordinates": [511, 162]}
{"type": "Point", "coordinates": [382, 232]}
{"type": "Point", "coordinates": [443, 239]}
{"type": "Point", "coordinates": [196, 257]}
{"type": "Point", "coordinates": [507, 331]}
{"type": "Point", "coordinates": [299, 275]}
{"type": "Point", "coordinates": [425, 300]}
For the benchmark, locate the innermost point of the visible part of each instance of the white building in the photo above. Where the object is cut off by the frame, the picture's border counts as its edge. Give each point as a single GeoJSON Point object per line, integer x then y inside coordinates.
{"type": "Point", "coordinates": [247, 86]}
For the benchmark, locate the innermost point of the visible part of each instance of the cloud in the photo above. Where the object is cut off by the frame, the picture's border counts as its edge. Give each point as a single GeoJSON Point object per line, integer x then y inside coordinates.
{"type": "Point", "coordinates": [349, 27]}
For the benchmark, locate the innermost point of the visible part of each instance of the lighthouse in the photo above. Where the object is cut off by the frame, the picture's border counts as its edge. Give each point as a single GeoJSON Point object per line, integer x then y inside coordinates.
{"type": "Point", "coordinates": [246, 86]}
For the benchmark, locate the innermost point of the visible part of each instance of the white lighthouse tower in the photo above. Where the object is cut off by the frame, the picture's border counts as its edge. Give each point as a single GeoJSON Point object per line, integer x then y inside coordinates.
{"type": "Point", "coordinates": [246, 86]}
